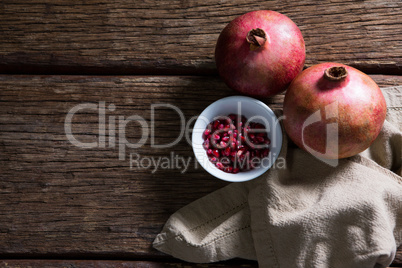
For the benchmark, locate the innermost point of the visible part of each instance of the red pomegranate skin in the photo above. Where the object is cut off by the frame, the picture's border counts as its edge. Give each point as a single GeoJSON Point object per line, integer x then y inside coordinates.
{"type": "Point", "coordinates": [265, 71]}
{"type": "Point", "coordinates": [360, 114]}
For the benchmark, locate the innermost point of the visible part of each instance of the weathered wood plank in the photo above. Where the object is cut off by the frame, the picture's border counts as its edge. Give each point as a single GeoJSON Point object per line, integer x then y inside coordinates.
{"type": "Point", "coordinates": [120, 264]}
{"type": "Point", "coordinates": [57, 199]}
{"type": "Point", "coordinates": [179, 36]}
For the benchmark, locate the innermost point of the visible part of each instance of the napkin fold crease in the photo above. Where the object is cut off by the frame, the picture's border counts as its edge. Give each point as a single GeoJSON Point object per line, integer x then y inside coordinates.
{"type": "Point", "coordinates": [308, 214]}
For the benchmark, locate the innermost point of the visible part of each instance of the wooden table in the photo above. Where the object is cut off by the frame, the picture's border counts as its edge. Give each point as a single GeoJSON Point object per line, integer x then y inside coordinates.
{"type": "Point", "coordinates": [67, 206]}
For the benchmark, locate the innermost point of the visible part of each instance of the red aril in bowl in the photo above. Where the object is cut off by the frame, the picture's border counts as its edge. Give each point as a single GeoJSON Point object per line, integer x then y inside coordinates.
{"type": "Point", "coordinates": [258, 114]}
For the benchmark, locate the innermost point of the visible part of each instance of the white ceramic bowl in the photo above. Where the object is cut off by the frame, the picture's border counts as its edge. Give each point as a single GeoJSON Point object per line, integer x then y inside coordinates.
{"type": "Point", "coordinates": [255, 111]}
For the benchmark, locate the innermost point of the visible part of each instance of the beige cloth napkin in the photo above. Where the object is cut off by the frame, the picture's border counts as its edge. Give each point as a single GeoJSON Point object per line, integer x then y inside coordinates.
{"type": "Point", "coordinates": [307, 215]}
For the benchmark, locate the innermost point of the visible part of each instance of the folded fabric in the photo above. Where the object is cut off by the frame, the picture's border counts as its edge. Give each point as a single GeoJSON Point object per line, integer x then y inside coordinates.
{"type": "Point", "coordinates": [306, 214]}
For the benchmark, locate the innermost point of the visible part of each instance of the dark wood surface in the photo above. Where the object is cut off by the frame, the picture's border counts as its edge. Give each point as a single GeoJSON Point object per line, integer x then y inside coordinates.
{"type": "Point", "coordinates": [179, 36]}
{"type": "Point", "coordinates": [86, 207]}
{"type": "Point", "coordinates": [114, 264]}
{"type": "Point", "coordinates": [61, 200]}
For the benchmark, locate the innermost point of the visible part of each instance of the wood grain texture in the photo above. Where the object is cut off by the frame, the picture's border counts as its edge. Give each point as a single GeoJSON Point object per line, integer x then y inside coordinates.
{"type": "Point", "coordinates": [59, 200]}
{"type": "Point", "coordinates": [118, 264]}
{"type": "Point", "coordinates": [179, 36]}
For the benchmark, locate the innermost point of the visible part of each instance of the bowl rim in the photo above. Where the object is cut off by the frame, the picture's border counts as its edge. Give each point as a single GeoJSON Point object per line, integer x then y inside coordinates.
{"type": "Point", "coordinates": [200, 153]}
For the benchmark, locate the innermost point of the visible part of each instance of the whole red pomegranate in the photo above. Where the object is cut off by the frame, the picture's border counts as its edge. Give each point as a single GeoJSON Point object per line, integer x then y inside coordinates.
{"type": "Point", "coordinates": [333, 110]}
{"type": "Point", "coordinates": [260, 53]}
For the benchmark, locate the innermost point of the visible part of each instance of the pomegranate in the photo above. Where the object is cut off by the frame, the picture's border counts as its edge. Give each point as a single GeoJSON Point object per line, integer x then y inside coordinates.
{"type": "Point", "coordinates": [233, 144]}
{"type": "Point", "coordinates": [260, 53]}
{"type": "Point", "coordinates": [333, 110]}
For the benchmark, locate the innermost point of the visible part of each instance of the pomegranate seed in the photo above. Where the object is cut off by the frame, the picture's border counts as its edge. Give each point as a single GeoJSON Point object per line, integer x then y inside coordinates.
{"type": "Point", "coordinates": [219, 165]}
{"type": "Point", "coordinates": [233, 145]}
{"type": "Point", "coordinates": [206, 144]}
{"type": "Point", "coordinates": [241, 151]}
{"type": "Point", "coordinates": [209, 152]}
{"type": "Point", "coordinates": [241, 138]}
{"type": "Point", "coordinates": [228, 169]}
{"type": "Point", "coordinates": [229, 149]}
{"type": "Point", "coordinates": [206, 133]}
{"type": "Point", "coordinates": [213, 159]}
{"type": "Point", "coordinates": [226, 138]}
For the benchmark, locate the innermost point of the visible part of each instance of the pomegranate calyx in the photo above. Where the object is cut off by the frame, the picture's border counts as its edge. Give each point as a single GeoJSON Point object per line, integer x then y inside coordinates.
{"type": "Point", "coordinates": [335, 73]}
{"type": "Point", "coordinates": [256, 38]}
